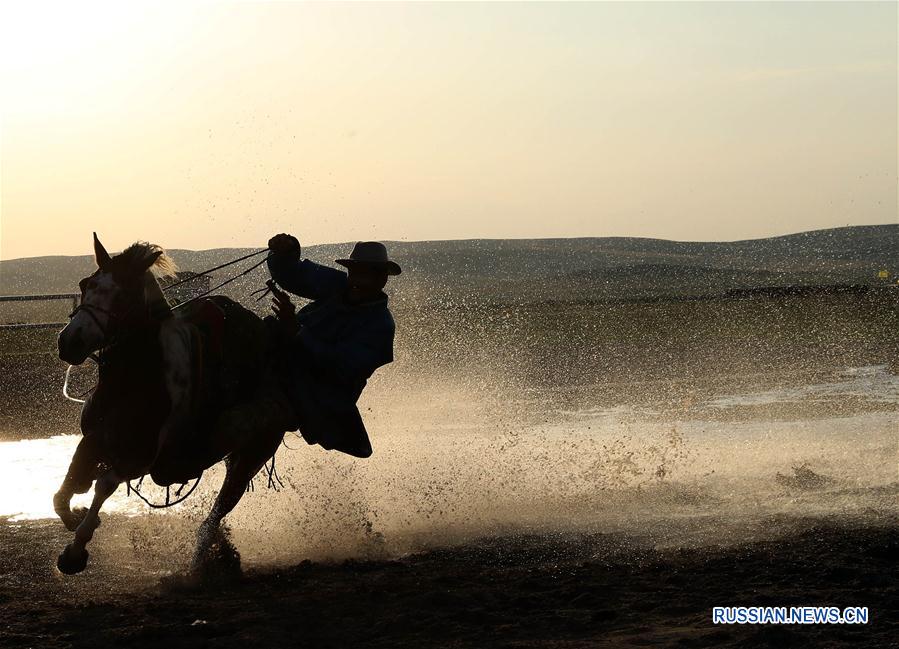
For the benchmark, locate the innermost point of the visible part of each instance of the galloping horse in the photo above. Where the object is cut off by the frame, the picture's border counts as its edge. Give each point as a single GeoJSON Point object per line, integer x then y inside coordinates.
{"type": "Point", "coordinates": [156, 386]}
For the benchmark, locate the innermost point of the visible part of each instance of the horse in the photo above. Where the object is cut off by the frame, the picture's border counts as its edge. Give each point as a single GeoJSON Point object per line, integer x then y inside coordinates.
{"type": "Point", "coordinates": [152, 392]}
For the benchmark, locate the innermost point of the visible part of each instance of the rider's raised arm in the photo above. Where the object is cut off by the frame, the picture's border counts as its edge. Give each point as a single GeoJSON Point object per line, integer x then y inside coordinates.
{"type": "Point", "coordinates": [306, 278]}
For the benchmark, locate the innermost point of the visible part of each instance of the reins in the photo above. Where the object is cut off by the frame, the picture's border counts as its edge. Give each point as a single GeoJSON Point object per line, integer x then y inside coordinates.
{"type": "Point", "coordinates": [227, 281]}
{"type": "Point", "coordinates": [206, 272]}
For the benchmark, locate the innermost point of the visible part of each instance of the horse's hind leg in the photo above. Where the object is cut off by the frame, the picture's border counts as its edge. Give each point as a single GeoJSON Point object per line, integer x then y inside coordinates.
{"type": "Point", "coordinates": [74, 558]}
{"type": "Point", "coordinates": [81, 474]}
{"type": "Point", "coordinates": [241, 467]}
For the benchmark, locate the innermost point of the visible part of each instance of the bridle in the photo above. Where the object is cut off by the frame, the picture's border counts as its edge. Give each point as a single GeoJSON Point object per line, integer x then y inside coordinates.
{"type": "Point", "coordinates": [114, 321]}
{"type": "Point", "coordinates": [92, 310]}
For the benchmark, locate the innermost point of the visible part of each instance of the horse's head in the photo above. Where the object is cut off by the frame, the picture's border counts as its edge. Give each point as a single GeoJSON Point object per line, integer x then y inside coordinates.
{"type": "Point", "coordinates": [115, 297]}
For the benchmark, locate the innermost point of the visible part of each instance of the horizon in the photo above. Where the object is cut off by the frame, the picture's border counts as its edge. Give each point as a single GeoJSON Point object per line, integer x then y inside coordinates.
{"type": "Point", "coordinates": [217, 125]}
{"type": "Point", "coordinates": [114, 250]}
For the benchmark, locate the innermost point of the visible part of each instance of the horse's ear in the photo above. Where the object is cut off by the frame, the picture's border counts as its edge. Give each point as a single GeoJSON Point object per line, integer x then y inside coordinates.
{"type": "Point", "coordinates": [150, 260]}
{"type": "Point", "coordinates": [100, 253]}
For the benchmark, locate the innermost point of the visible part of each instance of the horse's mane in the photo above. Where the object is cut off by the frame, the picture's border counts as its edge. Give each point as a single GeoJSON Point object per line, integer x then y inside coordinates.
{"type": "Point", "coordinates": [140, 252]}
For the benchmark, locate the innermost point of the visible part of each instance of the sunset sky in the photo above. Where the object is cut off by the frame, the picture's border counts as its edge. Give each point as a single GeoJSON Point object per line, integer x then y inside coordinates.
{"type": "Point", "coordinates": [216, 125]}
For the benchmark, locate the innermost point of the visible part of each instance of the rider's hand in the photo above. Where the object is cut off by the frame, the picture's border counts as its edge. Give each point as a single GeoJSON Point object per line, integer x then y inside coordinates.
{"type": "Point", "coordinates": [285, 310]}
{"type": "Point", "coordinates": [285, 244]}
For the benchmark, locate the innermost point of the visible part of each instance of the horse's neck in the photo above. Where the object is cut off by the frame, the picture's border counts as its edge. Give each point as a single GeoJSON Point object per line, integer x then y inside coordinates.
{"type": "Point", "coordinates": [134, 360]}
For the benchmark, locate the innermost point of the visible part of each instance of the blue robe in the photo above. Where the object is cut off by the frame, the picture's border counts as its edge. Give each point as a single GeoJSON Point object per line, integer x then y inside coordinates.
{"type": "Point", "coordinates": [337, 348]}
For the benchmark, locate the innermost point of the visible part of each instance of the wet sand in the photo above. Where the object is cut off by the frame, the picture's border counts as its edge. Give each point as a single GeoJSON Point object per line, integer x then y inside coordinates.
{"type": "Point", "coordinates": [560, 590]}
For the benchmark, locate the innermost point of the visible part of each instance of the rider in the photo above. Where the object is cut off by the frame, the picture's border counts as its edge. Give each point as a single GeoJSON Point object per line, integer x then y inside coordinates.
{"type": "Point", "coordinates": [332, 345]}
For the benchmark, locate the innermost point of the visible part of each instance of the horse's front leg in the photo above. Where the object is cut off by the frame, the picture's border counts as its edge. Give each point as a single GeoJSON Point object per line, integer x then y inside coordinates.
{"type": "Point", "coordinates": [74, 558]}
{"type": "Point", "coordinates": [81, 474]}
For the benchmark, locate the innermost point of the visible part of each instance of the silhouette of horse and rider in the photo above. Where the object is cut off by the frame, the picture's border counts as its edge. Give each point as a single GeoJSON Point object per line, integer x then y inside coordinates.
{"type": "Point", "coordinates": [180, 390]}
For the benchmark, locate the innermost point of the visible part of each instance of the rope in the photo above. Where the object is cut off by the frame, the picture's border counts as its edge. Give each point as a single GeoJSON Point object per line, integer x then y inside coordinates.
{"type": "Point", "coordinates": [284, 440]}
{"type": "Point", "coordinates": [65, 388]}
{"type": "Point", "coordinates": [168, 501]}
{"type": "Point", "coordinates": [215, 288]}
{"type": "Point", "coordinates": [273, 476]}
{"type": "Point", "coordinates": [274, 480]}
{"type": "Point", "coordinates": [65, 385]}
{"type": "Point", "coordinates": [206, 272]}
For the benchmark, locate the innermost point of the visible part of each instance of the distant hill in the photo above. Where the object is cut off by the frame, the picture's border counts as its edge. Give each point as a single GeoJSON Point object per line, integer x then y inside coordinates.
{"type": "Point", "coordinates": [543, 269]}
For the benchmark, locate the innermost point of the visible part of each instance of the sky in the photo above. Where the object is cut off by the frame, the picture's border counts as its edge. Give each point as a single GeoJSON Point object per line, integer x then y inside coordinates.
{"type": "Point", "coordinates": [208, 125]}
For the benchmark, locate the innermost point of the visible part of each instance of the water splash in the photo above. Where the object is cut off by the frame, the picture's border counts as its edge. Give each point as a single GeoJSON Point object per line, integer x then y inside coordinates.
{"type": "Point", "coordinates": [442, 476]}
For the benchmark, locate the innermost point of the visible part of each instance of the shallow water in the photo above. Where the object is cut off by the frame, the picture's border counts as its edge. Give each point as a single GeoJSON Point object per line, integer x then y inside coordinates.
{"type": "Point", "coordinates": [445, 480]}
{"type": "Point", "coordinates": [873, 383]}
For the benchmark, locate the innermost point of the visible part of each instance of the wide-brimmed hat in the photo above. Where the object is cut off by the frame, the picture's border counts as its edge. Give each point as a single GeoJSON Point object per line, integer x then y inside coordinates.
{"type": "Point", "coordinates": [372, 254]}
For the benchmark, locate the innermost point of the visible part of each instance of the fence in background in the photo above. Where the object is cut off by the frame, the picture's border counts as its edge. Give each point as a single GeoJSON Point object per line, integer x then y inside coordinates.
{"type": "Point", "coordinates": [74, 297]}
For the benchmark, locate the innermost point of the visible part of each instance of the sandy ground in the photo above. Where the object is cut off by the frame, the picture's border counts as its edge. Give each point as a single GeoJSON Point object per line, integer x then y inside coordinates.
{"type": "Point", "coordinates": [566, 590]}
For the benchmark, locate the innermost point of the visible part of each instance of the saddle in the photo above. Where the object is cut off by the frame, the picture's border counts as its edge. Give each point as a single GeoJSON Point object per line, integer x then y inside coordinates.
{"type": "Point", "coordinates": [230, 350]}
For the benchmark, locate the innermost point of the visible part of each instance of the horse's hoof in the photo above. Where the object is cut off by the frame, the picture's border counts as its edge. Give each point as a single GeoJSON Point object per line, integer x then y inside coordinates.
{"type": "Point", "coordinates": [218, 563]}
{"type": "Point", "coordinates": [71, 563]}
{"type": "Point", "coordinates": [180, 582]}
{"type": "Point", "coordinates": [74, 518]}
{"type": "Point", "coordinates": [79, 514]}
